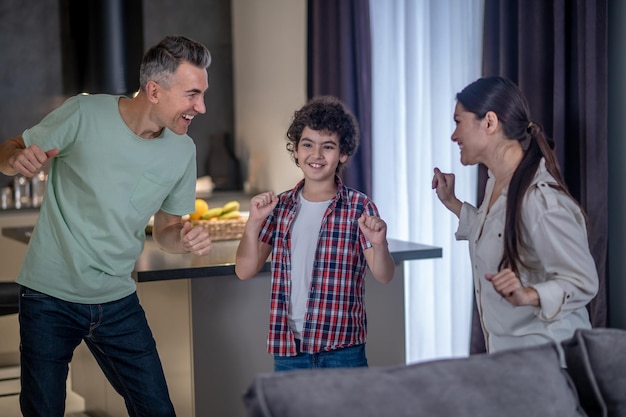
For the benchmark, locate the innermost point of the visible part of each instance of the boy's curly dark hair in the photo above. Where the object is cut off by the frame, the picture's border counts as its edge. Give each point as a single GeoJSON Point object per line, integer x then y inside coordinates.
{"type": "Point", "coordinates": [328, 114]}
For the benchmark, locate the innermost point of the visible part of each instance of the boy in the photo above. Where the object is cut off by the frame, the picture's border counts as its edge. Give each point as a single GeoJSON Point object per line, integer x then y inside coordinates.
{"type": "Point", "coordinates": [321, 235]}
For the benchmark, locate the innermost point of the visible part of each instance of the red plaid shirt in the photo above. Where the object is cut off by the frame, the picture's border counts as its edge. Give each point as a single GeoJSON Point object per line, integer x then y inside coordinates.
{"type": "Point", "coordinates": [335, 314]}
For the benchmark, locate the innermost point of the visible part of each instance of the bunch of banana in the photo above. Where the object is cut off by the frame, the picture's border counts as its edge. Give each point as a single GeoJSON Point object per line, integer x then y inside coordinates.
{"type": "Point", "coordinates": [229, 210]}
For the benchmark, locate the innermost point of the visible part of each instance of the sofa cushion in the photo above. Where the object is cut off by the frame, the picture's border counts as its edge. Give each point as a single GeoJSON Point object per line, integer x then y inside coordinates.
{"type": "Point", "coordinates": [515, 383]}
{"type": "Point", "coordinates": [596, 361]}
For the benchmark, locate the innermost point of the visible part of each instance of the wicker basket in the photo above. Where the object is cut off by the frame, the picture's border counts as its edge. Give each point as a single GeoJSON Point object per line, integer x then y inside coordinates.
{"type": "Point", "coordinates": [231, 229]}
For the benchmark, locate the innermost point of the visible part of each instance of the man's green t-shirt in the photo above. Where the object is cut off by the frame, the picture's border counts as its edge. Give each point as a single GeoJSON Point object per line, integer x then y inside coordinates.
{"type": "Point", "coordinates": [103, 187]}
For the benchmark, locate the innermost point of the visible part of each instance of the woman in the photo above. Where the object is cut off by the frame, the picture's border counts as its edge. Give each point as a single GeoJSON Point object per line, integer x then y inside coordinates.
{"type": "Point", "coordinates": [533, 271]}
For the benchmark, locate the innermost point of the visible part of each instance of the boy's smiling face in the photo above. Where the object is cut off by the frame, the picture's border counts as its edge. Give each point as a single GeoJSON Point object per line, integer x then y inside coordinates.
{"type": "Point", "coordinates": [318, 155]}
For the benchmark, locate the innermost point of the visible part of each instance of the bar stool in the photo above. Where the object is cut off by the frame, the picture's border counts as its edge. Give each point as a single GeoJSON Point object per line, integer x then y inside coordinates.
{"type": "Point", "coordinates": [9, 297]}
{"type": "Point", "coordinates": [9, 362]}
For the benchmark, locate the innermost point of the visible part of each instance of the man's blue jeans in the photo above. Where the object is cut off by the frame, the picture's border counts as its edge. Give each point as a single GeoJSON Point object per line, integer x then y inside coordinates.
{"type": "Point", "coordinates": [348, 357]}
{"type": "Point", "coordinates": [116, 333]}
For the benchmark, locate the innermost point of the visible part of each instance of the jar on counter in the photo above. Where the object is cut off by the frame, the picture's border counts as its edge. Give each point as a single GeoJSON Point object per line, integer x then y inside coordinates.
{"type": "Point", "coordinates": [37, 188]}
{"type": "Point", "coordinates": [6, 198]}
{"type": "Point", "coordinates": [21, 192]}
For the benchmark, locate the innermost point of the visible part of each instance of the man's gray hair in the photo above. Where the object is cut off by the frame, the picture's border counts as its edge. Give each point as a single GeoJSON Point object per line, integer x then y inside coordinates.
{"type": "Point", "coordinates": [162, 60]}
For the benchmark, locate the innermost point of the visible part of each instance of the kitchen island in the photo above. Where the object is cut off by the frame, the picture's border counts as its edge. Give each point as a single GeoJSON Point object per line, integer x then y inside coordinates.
{"type": "Point", "coordinates": [211, 327]}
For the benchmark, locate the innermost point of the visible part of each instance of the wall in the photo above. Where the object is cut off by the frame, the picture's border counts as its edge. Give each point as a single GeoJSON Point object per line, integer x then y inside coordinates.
{"type": "Point", "coordinates": [30, 66]}
{"type": "Point", "coordinates": [31, 70]}
{"type": "Point", "coordinates": [264, 73]}
{"type": "Point", "coordinates": [269, 39]}
{"type": "Point", "coordinates": [617, 168]}
{"type": "Point", "coordinates": [268, 81]}
{"type": "Point", "coordinates": [207, 21]}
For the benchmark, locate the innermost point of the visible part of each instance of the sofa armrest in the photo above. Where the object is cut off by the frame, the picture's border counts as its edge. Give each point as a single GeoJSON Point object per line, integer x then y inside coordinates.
{"type": "Point", "coordinates": [596, 361]}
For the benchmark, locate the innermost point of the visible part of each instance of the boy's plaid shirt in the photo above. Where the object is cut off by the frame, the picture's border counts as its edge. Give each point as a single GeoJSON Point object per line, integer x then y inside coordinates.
{"type": "Point", "coordinates": [335, 315]}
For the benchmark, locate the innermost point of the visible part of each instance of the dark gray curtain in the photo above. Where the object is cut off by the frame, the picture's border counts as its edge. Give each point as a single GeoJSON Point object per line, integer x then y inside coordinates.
{"type": "Point", "coordinates": [339, 64]}
{"type": "Point", "coordinates": [556, 51]}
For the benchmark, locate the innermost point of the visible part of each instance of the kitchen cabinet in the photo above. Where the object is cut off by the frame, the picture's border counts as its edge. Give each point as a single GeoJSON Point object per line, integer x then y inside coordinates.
{"type": "Point", "coordinates": [11, 255]}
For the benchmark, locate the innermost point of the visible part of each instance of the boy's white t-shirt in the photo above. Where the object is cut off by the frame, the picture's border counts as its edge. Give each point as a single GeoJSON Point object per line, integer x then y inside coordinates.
{"type": "Point", "coordinates": [304, 238]}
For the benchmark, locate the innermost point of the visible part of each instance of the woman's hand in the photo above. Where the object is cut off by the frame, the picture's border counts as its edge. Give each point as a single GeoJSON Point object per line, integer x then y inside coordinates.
{"type": "Point", "coordinates": [509, 286]}
{"type": "Point", "coordinates": [443, 184]}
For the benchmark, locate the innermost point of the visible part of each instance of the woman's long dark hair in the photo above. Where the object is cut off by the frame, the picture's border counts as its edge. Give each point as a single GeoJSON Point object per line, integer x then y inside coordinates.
{"type": "Point", "coordinates": [505, 99]}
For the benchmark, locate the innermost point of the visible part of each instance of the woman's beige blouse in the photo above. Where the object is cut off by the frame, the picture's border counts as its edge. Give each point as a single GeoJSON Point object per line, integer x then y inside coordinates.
{"type": "Point", "coordinates": [560, 266]}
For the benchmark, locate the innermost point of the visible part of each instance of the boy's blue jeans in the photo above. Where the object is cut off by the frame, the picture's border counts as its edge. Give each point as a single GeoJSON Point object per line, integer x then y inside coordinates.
{"type": "Point", "coordinates": [348, 357]}
{"type": "Point", "coordinates": [116, 333]}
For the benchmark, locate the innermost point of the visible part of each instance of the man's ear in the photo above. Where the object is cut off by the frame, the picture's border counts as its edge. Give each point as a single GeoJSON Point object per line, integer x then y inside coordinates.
{"type": "Point", "coordinates": [492, 121]}
{"type": "Point", "coordinates": [152, 91]}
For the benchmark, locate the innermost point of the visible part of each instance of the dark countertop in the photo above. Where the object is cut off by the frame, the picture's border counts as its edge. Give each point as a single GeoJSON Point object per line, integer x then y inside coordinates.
{"type": "Point", "coordinates": [156, 265]}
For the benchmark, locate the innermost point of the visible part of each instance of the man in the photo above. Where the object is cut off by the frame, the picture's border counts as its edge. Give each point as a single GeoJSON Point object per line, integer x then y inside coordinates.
{"type": "Point", "coordinates": [114, 162]}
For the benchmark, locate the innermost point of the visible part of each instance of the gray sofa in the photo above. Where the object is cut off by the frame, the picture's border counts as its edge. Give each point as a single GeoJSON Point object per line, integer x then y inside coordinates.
{"type": "Point", "coordinates": [516, 383]}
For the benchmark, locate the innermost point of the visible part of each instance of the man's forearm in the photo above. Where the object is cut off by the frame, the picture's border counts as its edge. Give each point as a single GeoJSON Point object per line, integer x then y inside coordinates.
{"type": "Point", "coordinates": [9, 148]}
{"type": "Point", "coordinates": [168, 238]}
